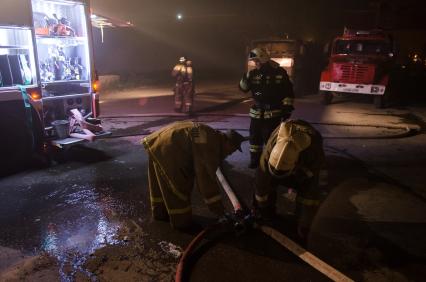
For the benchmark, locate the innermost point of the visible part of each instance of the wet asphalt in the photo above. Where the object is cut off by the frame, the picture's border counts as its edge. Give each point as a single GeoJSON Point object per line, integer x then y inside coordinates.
{"type": "Point", "coordinates": [86, 200]}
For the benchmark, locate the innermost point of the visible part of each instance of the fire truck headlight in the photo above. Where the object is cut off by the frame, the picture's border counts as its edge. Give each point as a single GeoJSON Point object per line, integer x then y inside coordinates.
{"type": "Point", "coordinates": [284, 62]}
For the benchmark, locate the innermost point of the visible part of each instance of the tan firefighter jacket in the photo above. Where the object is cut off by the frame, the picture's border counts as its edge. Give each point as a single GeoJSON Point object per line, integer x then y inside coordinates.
{"type": "Point", "coordinates": [304, 176]}
{"type": "Point", "coordinates": [187, 151]}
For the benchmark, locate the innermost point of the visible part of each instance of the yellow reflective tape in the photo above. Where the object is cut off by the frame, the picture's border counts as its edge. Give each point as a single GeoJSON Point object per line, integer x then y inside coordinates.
{"type": "Point", "coordinates": [308, 202]}
{"type": "Point", "coordinates": [261, 198]}
{"type": "Point", "coordinates": [171, 185]}
{"type": "Point", "coordinates": [144, 142]}
{"type": "Point", "coordinates": [213, 200]}
{"type": "Point", "coordinates": [156, 200]}
{"type": "Point", "coordinates": [255, 113]}
{"type": "Point", "coordinates": [255, 148]}
{"type": "Point", "coordinates": [273, 113]}
{"type": "Point", "coordinates": [288, 101]}
{"type": "Point", "coordinates": [169, 182]}
{"type": "Point", "coordinates": [180, 211]}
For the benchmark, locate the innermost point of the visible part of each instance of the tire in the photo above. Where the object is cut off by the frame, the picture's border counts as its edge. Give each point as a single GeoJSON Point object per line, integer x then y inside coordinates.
{"type": "Point", "coordinates": [39, 158]}
{"type": "Point", "coordinates": [382, 101]}
{"type": "Point", "coordinates": [327, 97]}
{"type": "Point", "coordinates": [16, 147]}
{"type": "Point", "coordinates": [379, 101]}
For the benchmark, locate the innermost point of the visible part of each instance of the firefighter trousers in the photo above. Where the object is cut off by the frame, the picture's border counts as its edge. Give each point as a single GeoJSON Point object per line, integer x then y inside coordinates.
{"type": "Point", "coordinates": [184, 97]}
{"type": "Point", "coordinates": [307, 199]}
{"type": "Point", "coordinates": [165, 205]}
{"type": "Point", "coordinates": [260, 130]}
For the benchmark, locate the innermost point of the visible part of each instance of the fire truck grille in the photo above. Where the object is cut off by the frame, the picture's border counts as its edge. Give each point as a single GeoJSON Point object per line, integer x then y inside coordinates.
{"type": "Point", "coordinates": [349, 73]}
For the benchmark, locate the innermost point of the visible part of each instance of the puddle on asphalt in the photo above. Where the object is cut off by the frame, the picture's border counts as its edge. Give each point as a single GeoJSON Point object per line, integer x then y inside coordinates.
{"type": "Point", "coordinates": [83, 221]}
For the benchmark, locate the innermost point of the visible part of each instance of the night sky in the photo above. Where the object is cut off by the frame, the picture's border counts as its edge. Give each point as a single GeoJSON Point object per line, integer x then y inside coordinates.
{"type": "Point", "coordinates": [215, 33]}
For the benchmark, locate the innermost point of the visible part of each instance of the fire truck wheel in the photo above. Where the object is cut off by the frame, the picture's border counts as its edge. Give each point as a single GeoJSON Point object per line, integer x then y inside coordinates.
{"type": "Point", "coordinates": [385, 100]}
{"type": "Point", "coordinates": [39, 157]}
{"type": "Point", "coordinates": [379, 102]}
{"type": "Point", "coordinates": [16, 148]}
{"type": "Point", "coordinates": [327, 97]}
{"type": "Point", "coordinates": [382, 101]}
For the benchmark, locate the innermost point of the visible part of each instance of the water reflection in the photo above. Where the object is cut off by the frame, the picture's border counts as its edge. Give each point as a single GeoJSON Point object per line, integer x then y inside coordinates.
{"type": "Point", "coordinates": [82, 222]}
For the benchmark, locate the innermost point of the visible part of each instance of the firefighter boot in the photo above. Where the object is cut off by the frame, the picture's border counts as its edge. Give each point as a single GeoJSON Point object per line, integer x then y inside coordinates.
{"type": "Point", "coordinates": [265, 210]}
{"type": "Point", "coordinates": [254, 160]}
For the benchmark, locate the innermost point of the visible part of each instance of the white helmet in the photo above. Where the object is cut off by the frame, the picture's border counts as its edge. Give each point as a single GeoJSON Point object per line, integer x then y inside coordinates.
{"type": "Point", "coordinates": [290, 143]}
{"type": "Point", "coordinates": [182, 59]}
{"type": "Point", "coordinates": [259, 54]}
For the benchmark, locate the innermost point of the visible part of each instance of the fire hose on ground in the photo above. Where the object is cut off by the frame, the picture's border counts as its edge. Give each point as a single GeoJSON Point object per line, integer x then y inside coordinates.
{"type": "Point", "coordinates": [245, 219]}
{"type": "Point", "coordinates": [406, 131]}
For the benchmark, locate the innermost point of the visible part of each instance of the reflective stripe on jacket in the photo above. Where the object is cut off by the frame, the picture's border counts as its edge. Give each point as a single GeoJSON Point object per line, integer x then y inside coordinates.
{"type": "Point", "coordinates": [187, 151]}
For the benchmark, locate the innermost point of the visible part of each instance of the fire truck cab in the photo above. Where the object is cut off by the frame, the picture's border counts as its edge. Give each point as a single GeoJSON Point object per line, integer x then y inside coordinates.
{"type": "Point", "coordinates": [289, 54]}
{"type": "Point", "coordinates": [360, 62]}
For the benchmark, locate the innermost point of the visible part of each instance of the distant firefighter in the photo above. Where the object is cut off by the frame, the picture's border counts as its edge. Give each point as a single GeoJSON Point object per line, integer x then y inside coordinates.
{"type": "Point", "coordinates": [293, 157]}
{"type": "Point", "coordinates": [180, 155]}
{"type": "Point", "coordinates": [184, 87]}
{"type": "Point", "coordinates": [272, 92]}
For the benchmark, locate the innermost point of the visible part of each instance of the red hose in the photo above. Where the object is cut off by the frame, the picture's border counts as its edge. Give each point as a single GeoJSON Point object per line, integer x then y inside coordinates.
{"type": "Point", "coordinates": [186, 254]}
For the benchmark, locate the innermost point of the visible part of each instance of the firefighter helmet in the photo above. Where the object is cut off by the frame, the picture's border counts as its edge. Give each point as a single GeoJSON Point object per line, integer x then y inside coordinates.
{"type": "Point", "coordinates": [259, 54]}
{"type": "Point", "coordinates": [182, 59]}
{"type": "Point", "coordinates": [291, 141]}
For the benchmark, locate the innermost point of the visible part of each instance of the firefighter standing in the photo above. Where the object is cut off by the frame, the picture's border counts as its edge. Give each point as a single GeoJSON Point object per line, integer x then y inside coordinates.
{"type": "Point", "coordinates": [179, 155]}
{"type": "Point", "coordinates": [292, 157]}
{"type": "Point", "coordinates": [273, 97]}
{"type": "Point", "coordinates": [184, 87]}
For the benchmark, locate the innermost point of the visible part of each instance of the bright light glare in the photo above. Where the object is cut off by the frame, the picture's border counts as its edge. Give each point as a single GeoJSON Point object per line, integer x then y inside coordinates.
{"type": "Point", "coordinates": [284, 62]}
{"type": "Point", "coordinates": [179, 16]}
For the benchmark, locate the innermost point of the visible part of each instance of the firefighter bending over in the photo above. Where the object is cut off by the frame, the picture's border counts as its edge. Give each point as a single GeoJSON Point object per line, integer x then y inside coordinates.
{"type": "Point", "coordinates": [180, 155]}
{"type": "Point", "coordinates": [292, 157]}
{"type": "Point", "coordinates": [184, 87]}
{"type": "Point", "coordinates": [272, 92]}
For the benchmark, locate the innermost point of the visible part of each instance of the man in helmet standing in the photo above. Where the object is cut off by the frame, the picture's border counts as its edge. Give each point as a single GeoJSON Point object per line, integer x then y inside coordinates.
{"type": "Point", "coordinates": [184, 87]}
{"type": "Point", "coordinates": [272, 92]}
{"type": "Point", "coordinates": [292, 157]}
{"type": "Point", "coordinates": [181, 154]}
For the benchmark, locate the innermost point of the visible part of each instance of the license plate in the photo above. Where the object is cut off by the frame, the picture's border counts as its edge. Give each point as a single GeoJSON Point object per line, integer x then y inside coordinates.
{"type": "Point", "coordinates": [352, 90]}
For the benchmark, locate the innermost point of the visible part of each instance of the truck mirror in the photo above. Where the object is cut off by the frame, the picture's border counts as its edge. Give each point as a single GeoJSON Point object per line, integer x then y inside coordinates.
{"type": "Point", "coordinates": [326, 48]}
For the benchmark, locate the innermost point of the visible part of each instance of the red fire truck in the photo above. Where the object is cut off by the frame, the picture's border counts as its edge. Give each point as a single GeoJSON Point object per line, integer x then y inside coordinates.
{"type": "Point", "coordinates": [360, 62]}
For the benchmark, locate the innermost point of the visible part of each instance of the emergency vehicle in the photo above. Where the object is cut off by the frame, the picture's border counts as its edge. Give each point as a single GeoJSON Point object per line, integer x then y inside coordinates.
{"type": "Point", "coordinates": [360, 62]}
{"type": "Point", "coordinates": [290, 55]}
{"type": "Point", "coordinates": [46, 69]}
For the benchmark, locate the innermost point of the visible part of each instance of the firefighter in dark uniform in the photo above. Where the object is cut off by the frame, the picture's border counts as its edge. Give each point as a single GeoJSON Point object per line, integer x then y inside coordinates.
{"type": "Point", "coordinates": [184, 87]}
{"type": "Point", "coordinates": [181, 154]}
{"type": "Point", "coordinates": [292, 157]}
{"type": "Point", "coordinates": [273, 96]}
